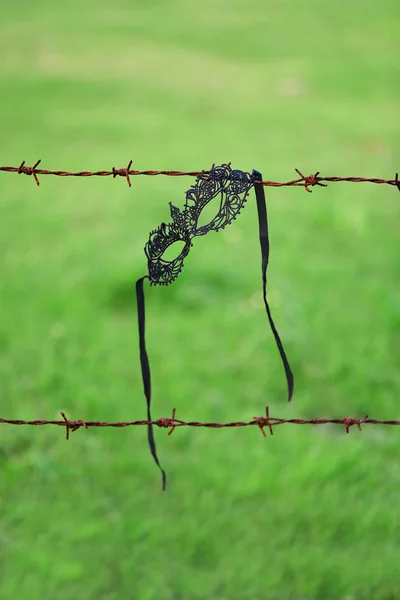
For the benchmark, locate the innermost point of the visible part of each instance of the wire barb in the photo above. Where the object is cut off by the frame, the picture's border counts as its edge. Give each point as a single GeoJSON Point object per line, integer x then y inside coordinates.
{"type": "Point", "coordinates": [349, 422]}
{"type": "Point", "coordinates": [71, 425]}
{"type": "Point", "coordinates": [166, 422]}
{"type": "Point", "coordinates": [310, 180]}
{"type": "Point", "coordinates": [264, 422]}
{"type": "Point", "coordinates": [123, 172]}
{"type": "Point", "coordinates": [29, 170]}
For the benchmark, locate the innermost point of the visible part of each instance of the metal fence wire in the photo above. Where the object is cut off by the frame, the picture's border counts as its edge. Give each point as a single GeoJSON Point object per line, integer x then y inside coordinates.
{"type": "Point", "coordinates": [265, 423]}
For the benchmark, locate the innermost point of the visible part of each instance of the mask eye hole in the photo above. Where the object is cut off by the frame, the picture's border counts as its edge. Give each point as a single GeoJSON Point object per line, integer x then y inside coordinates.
{"type": "Point", "coordinates": [209, 212]}
{"type": "Point", "coordinates": [173, 251]}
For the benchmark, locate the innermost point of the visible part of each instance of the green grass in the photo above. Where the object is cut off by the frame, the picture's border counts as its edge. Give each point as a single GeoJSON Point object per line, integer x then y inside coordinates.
{"type": "Point", "coordinates": [308, 514]}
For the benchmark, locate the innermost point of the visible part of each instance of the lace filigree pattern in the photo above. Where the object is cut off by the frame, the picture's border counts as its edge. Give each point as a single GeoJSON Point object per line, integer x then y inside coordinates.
{"type": "Point", "coordinates": [232, 187]}
{"type": "Point", "coordinates": [161, 271]}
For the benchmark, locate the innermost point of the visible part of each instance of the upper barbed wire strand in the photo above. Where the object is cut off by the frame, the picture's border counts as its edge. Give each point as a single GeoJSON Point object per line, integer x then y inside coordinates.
{"type": "Point", "coordinates": [305, 181]}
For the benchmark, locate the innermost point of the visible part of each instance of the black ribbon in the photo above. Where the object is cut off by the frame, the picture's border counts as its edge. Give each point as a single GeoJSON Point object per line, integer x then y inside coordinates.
{"type": "Point", "coordinates": [184, 227]}
{"type": "Point", "coordinates": [264, 243]}
{"type": "Point", "coordinates": [146, 377]}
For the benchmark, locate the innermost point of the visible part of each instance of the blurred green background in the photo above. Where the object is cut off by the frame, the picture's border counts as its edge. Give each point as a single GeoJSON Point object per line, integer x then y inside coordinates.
{"type": "Point", "coordinates": [311, 513]}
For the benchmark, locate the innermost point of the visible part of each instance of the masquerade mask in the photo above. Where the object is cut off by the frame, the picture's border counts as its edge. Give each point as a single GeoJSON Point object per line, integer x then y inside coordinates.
{"type": "Point", "coordinates": [232, 187]}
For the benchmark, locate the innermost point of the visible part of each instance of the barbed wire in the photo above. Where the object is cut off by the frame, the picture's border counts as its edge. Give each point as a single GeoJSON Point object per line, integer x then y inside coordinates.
{"type": "Point", "coordinates": [172, 423]}
{"type": "Point", "coordinates": [305, 181]}
{"type": "Point", "coordinates": [263, 423]}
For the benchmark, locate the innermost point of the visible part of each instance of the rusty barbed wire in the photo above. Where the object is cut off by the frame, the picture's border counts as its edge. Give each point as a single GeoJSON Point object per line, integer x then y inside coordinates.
{"type": "Point", "coordinates": [172, 423]}
{"type": "Point", "coordinates": [305, 181]}
{"type": "Point", "coordinates": [263, 423]}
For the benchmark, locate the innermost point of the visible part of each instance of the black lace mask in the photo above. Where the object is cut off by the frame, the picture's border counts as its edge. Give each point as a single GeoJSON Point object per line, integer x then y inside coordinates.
{"type": "Point", "coordinates": [233, 188]}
